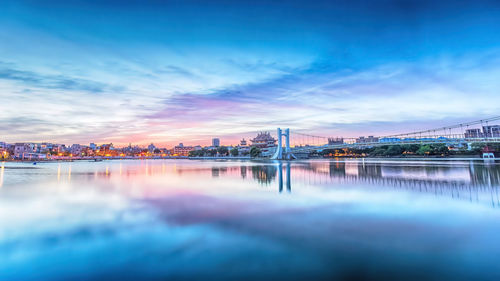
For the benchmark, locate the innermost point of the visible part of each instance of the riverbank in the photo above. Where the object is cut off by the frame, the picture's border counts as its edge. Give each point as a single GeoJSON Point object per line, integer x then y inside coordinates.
{"type": "Point", "coordinates": [96, 159]}
{"type": "Point", "coordinates": [221, 158]}
{"type": "Point", "coordinates": [409, 158]}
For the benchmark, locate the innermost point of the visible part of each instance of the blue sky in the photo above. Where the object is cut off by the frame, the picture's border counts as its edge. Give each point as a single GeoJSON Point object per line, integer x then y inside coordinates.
{"type": "Point", "coordinates": [170, 71]}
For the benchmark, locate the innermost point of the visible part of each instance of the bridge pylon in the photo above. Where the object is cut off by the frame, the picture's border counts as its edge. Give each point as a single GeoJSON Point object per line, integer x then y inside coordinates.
{"type": "Point", "coordinates": [287, 155]}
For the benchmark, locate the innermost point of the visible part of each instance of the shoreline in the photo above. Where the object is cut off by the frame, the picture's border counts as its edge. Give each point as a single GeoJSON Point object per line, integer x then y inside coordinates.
{"type": "Point", "coordinates": [431, 158]}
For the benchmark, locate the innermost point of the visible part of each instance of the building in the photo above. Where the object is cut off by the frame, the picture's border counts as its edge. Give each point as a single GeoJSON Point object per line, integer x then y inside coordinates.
{"type": "Point", "coordinates": [473, 133]}
{"type": "Point", "coordinates": [76, 149]}
{"type": "Point", "coordinates": [131, 150]}
{"type": "Point", "coordinates": [23, 148]}
{"type": "Point", "coordinates": [216, 142]}
{"type": "Point", "coordinates": [243, 142]}
{"type": "Point", "coordinates": [106, 150]}
{"type": "Point", "coordinates": [491, 131]}
{"type": "Point", "coordinates": [263, 140]}
{"type": "Point", "coordinates": [181, 150]}
{"type": "Point", "coordinates": [4, 152]}
{"type": "Point", "coordinates": [243, 148]}
{"type": "Point", "coordinates": [369, 139]}
{"type": "Point", "coordinates": [58, 148]}
{"type": "Point", "coordinates": [43, 147]}
{"type": "Point", "coordinates": [334, 141]}
{"type": "Point", "coordinates": [151, 148]}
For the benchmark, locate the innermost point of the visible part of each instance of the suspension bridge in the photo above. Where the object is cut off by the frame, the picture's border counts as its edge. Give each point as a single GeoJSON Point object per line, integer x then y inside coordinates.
{"type": "Point", "coordinates": [479, 131]}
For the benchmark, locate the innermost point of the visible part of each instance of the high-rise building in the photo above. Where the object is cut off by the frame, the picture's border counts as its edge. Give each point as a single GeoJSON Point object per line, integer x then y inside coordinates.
{"type": "Point", "coordinates": [216, 142]}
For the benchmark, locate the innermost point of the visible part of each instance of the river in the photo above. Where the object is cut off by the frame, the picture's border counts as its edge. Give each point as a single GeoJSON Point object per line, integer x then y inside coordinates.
{"type": "Point", "coordinates": [224, 220]}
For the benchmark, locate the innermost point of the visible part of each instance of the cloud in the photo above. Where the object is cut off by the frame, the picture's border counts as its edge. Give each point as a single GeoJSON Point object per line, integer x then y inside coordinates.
{"type": "Point", "coordinates": [388, 97]}
{"type": "Point", "coordinates": [60, 82]}
{"type": "Point", "coordinates": [172, 73]}
{"type": "Point", "coordinates": [320, 100]}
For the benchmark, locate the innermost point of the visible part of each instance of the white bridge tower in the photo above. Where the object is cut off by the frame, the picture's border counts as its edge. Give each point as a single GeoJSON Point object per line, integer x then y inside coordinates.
{"type": "Point", "coordinates": [287, 155]}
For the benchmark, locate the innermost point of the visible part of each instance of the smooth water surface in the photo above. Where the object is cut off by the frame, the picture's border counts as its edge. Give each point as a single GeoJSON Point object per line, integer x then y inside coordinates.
{"type": "Point", "coordinates": [220, 220]}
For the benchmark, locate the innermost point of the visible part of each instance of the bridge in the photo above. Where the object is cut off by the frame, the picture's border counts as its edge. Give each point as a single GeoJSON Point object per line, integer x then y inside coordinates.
{"type": "Point", "coordinates": [457, 134]}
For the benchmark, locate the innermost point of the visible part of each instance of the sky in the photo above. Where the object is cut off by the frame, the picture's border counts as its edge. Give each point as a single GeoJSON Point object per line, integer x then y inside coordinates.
{"type": "Point", "coordinates": [166, 72]}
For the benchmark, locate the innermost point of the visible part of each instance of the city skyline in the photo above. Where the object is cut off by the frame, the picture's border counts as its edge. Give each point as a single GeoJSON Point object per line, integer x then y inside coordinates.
{"type": "Point", "coordinates": [170, 72]}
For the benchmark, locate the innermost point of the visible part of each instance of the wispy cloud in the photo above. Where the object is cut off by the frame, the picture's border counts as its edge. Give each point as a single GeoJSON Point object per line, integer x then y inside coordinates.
{"type": "Point", "coordinates": [179, 72]}
{"type": "Point", "coordinates": [393, 96]}
{"type": "Point", "coordinates": [61, 82]}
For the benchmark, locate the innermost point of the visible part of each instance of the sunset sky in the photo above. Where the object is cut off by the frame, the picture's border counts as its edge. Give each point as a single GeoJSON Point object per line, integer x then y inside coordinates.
{"type": "Point", "coordinates": [186, 71]}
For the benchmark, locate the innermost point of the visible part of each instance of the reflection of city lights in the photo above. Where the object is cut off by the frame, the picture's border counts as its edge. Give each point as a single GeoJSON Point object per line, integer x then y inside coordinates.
{"type": "Point", "coordinates": [1, 173]}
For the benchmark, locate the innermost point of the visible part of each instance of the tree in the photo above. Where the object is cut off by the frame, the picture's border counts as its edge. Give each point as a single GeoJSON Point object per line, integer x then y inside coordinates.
{"type": "Point", "coordinates": [379, 151]}
{"type": "Point", "coordinates": [212, 152]}
{"type": "Point", "coordinates": [197, 153]}
{"type": "Point", "coordinates": [394, 150]}
{"type": "Point", "coordinates": [411, 148]}
{"type": "Point", "coordinates": [477, 147]}
{"type": "Point", "coordinates": [424, 150]}
{"type": "Point", "coordinates": [255, 152]}
{"type": "Point", "coordinates": [222, 150]}
{"type": "Point", "coordinates": [440, 149]}
{"type": "Point", "coordinates": [234, 152]}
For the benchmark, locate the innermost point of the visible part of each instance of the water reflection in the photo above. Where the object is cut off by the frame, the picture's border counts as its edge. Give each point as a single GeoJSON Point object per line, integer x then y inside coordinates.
{"type": "Point", "coordinates": [344, 220]}
{"type": "Point", "coordinates": [2, 170]}
{"type": "Point", "coordinates": [288, 178]}
{"type": "Point", "coordinates": [467, 180]}
{"type": "Point", "coordinates": [472, 180]}
{"type": "Point", "coordinates": [264, 174]}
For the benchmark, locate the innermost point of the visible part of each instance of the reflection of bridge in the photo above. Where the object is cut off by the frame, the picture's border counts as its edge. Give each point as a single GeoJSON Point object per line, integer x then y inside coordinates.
{"type": "Point", "coordinates": [470, 181]}
{"type": "Point", "coordinates": [458, 134]}
{"type": "Point", "coordinates": [288, 178]}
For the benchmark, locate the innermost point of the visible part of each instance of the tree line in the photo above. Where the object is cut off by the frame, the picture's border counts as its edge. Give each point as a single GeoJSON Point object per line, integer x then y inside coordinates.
{"type": "Point", "coordinates": [224, 151]}
{"type": "Point", "coordinates": [438, 149]}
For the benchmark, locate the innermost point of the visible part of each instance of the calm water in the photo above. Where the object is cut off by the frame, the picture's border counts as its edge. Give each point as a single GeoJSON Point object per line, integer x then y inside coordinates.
{"type": "Point", "coordinates": [183, 219]}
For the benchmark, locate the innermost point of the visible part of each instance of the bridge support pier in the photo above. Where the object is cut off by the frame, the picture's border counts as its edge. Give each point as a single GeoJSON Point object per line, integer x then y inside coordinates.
{"type": "Point", "coordinates": [279, 155]}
